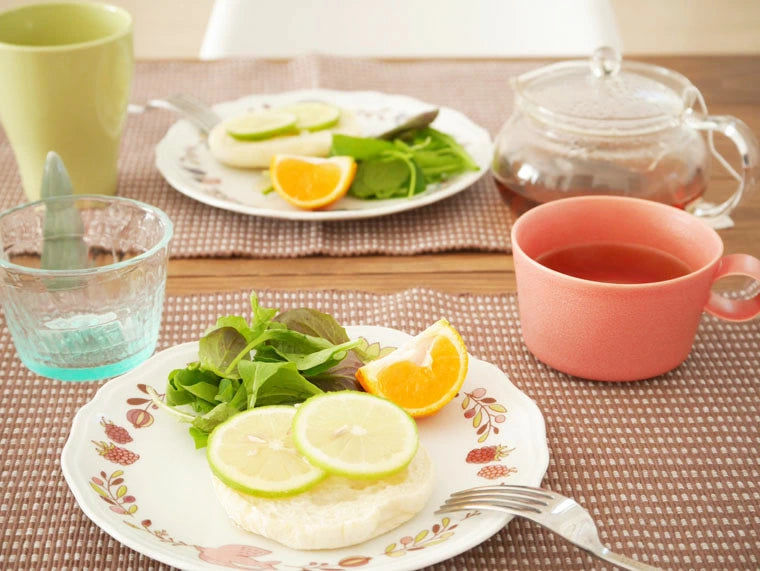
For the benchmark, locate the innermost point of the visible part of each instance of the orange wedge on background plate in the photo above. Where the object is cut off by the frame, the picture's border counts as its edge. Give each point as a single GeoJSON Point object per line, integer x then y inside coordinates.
{"type": "Point", "coordinates": [422, 375]}
{"type": "Point", "coordinates": [309, 182]}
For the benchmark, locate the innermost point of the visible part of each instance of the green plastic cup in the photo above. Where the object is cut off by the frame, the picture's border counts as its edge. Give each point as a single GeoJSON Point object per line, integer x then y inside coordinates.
{"type": "Point", "coordinates": [66, 72]}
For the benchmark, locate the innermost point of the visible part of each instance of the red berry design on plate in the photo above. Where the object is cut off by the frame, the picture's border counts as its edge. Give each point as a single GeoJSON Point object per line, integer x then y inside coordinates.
{"type": "Point", "coordinates": [139, 418]}
{"type": "Point", "coordinates": [116, 433]}
{"type": "Point", "coordinates": [495, 471]}
{"type": "Point", "coordinates": [487, 454]}
{"type": "Point", "coordinates": [114, 453]}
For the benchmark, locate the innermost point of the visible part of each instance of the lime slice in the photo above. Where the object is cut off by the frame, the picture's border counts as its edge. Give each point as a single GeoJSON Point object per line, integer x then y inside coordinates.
{"type": "Point", "coordinates": [313, 116]}
{"type": "Point", "coordinates": [253, 453]}
{"type": "Point", "coordinates": [355, 434]}
{"type": "Point", "coordinates": [261, 125]}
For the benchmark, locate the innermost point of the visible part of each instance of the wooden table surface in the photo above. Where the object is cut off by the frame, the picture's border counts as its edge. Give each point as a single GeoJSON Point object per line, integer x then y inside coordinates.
{"type": "Point", "coordinates": [729, 85]}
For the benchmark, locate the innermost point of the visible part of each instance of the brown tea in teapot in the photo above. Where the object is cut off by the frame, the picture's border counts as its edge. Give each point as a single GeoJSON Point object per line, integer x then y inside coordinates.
{"type": "Point", "coordinates": [656, 185]}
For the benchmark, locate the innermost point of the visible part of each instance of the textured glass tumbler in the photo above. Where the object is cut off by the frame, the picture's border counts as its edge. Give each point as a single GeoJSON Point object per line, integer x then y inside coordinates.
{"type": "Point", "coordinates": [83, 281]}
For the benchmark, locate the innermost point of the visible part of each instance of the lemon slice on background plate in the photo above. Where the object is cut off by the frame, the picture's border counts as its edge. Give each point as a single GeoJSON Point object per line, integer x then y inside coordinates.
{"type": "Point", "coordinates": [253, 452]}
{"type": "Point", "coordinates": [313, 115]}
{"type": "Point", "coordinates": [355, 434]}
{"type": "Point", "coordinates": [423, 374]}
{"type": "Point", "coordinates": [261, 125]}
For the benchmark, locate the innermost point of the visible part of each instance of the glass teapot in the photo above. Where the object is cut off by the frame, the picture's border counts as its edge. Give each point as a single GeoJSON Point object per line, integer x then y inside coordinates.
{"type": "Point", "coordinates": [605, 126]}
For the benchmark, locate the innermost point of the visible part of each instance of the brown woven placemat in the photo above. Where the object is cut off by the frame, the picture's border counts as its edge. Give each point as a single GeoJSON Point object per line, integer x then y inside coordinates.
{"type": "Point", "coordinates": [668, 467]}
{"type": "Point", "coordinates": [476, 218]}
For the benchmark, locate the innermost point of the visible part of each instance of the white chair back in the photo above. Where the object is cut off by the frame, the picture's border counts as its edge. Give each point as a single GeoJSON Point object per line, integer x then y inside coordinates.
{"type": "Point", "coordinates": [409, 28]}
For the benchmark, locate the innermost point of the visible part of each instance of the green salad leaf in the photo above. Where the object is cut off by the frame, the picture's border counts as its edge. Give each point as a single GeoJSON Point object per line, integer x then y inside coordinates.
{"type": "Point", "coordinates": [361, 148]}
{"type": "Point", "coordinates": [275, 383]}
{"type": "Point", "coordinates": [404, 166]}
{"type": "Point", "coordinates": [277, 358]}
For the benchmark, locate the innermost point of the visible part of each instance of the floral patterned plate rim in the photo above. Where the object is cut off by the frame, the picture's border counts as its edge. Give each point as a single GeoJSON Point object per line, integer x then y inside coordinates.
{"type": "Point", "coordinates": [135, 473]}
{"type": "Point", "coordinates": [184, 160]}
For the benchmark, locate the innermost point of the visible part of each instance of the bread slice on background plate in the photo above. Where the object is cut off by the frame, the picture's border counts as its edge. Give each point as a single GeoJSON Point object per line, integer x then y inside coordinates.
{"type": "Point", "coordinates": [338, 511]}
{"type": "Point", "coordinates": [258, 154]}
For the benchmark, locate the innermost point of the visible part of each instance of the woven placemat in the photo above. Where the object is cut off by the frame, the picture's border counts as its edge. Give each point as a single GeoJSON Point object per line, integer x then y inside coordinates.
{"type": "Point", "coordinates": [668, 467]}
{"type": "Point", "coordinates": [476, 218]}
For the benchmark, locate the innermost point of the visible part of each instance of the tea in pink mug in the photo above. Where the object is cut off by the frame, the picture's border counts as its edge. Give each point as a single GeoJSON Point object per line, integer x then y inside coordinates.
{"type": "Point", "coordinates": [613, 288]}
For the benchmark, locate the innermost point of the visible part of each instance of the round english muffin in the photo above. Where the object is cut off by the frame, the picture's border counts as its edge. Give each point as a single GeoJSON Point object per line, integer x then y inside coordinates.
{"type": "Point", "coordinates": [258, 154]}
{"type": "Point", "coordinates": [338, 511]}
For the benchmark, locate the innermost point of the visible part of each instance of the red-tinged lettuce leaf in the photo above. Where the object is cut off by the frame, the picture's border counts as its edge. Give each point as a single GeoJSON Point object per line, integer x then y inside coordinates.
{"type": "Point", "coordinates": [314, 323]}
{"type": "Point", "coordinates": [342, 376]}
{"type": "Point", "coordinates": [219, 348]}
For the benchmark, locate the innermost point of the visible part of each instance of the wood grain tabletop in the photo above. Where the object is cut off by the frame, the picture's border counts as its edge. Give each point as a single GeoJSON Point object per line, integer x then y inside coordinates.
{"type": "Point", "coordinates": [730, 87]}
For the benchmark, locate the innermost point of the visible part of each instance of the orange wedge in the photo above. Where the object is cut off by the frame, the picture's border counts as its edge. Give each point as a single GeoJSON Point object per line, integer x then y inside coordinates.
{"type": "Point", "coordinates": [309, 182]}
{"type": "Point", "coordinates": [422, 375]}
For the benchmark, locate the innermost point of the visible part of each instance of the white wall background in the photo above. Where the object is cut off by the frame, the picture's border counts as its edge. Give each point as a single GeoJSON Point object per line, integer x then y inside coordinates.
{"type": "Point", "coordinates": [174, 28]}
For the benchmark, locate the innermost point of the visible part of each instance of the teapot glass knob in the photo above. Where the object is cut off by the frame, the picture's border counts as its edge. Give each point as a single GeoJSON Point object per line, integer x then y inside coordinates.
{"type": "Point", "coordinates": [605, 61]}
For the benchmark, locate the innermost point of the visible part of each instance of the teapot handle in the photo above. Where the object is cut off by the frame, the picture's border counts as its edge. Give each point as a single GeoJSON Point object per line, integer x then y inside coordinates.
{"type": "Point", "coordinates": [749, 151]}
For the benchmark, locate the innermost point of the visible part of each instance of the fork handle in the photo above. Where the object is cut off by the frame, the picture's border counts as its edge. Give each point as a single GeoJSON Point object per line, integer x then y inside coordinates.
{"type": "Point", "coordinates": [621, 560]}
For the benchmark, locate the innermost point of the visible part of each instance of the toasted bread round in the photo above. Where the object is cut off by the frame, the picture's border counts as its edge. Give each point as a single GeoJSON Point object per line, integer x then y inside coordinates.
{"type": "Point", "coordinates": [338, 511]}
{"type": "Point", "coordinates": [258, 154]}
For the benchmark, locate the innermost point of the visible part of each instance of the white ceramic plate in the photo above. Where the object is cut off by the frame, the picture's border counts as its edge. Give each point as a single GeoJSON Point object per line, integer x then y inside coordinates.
{"type": "Point", "coordinates": [162, 504]}
{"type": "Point", "coordinates": [184, 160]}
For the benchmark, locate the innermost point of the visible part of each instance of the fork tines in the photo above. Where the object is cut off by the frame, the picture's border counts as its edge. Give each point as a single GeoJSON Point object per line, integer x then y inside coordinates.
{"type": "Point", "coordinates": [503, 497]}
{"type": "Point", "coordinates": [195, 105]}
{"type": "Point", "coordinates": [555, 512]}
{"type": "Point", "coordinates": [193, 108]}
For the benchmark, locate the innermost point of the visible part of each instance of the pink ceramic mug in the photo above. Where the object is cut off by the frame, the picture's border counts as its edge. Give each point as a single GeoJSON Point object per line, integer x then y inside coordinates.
{"type": "Point", "coordinates": [614, 331]}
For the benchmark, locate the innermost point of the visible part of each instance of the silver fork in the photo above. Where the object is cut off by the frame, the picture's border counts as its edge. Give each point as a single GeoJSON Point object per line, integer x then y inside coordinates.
{"type": "Point", "coordinates": [189, 106]}
{"type": "Point", "coordinates": [560, 514]}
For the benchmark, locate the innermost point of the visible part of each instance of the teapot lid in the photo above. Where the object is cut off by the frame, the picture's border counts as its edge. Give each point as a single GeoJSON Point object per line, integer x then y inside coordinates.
{"type": "Point", "coordinates": [605, 95]}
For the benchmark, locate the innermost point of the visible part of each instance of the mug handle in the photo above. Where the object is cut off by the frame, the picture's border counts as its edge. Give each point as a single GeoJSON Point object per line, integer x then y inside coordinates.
{"type": "Point", "coordinates": [749, 151]}
{"type": "Point", "coordinates": [735, 309]}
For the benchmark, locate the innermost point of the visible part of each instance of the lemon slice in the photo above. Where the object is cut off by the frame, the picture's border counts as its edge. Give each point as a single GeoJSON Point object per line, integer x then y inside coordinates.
{"type": "Point", "coordinates": [313, 116]}
{"type": "Point", "coordinates": [253, 453]}
{"type": "Point", "coordinates": [261, 125]}
{"type": "Point", "coordinates": [355, 434]}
